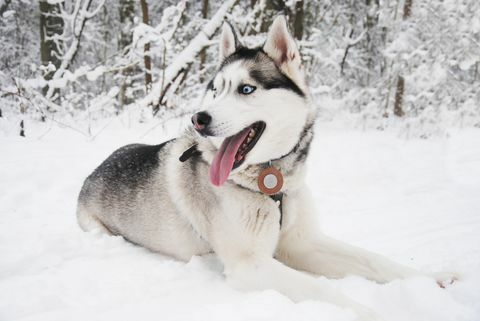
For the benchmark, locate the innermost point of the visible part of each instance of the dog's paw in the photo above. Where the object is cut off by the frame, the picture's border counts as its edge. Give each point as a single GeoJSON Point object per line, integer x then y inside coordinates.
{"type": "Point", "coordinates": [445, 279]}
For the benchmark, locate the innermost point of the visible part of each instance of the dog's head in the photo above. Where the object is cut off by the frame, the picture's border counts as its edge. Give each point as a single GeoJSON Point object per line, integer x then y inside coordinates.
{"type": "Point", "coordinates": [256, 106]}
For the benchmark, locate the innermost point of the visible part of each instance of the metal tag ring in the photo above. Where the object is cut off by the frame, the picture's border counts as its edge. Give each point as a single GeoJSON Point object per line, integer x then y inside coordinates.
{"type": "Point", "coordinates": [270, 181]}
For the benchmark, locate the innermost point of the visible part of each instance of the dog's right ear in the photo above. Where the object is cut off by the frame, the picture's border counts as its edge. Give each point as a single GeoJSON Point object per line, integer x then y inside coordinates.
{"type": "Point", "coordinates": [228, 42]}
{"type": "Point", "coordinates": [280, 45]}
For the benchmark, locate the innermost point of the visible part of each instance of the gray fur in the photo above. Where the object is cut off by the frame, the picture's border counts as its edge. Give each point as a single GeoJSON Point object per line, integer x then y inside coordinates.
{"type": "Point", "coordinates": [128, 195]}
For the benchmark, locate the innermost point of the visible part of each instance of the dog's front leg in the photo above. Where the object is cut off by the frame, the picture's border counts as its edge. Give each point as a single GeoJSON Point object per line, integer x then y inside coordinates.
{"type": "Point", "coordinates": [334, 259]}
{"type": "Point", "coordinates": [245, 243]}
{"type": "Point", "coordinates": [258, 272]}
{"type": "Point", "coordinates": [304, 247]}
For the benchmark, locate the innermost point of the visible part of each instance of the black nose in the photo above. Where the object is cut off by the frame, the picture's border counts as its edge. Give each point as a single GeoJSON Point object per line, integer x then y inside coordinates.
{"type": "Point", "coordinates": [201, 120]}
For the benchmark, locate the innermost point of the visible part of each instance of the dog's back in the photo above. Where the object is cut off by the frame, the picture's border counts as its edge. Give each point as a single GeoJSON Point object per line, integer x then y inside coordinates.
{"type": "Point", "coordinates": [127, 195]}
{"type": "Point", "coordinates": [110, 193]}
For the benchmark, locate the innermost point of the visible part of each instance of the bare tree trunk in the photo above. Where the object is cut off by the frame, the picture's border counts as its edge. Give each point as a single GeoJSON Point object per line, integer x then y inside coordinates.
{"type": "Point", "coordinates": [107, 34]}
{"type": "Point", "coordinates": [146, 49]}
{"type": "Point", "coordinates": [407, 9]}
{"type": "Point", "coordinates": [371, 21]}
{"type": "Point", "coordinates": [22, 128]}
{"type": "Point", "coordinates": [298, 18]}
{"type": "Point", "coordinates": [51, 27]}
{"type": "Point", "coordinates": [203, 53]}
{"type": "Point", "coordinates": [271, 10]}
{"type": "Point", "coordinates": [22, 123]}
{"type": "Point", "coordinates": [397, 107]}
{"type": "Point", "coordinates": [383, 66]}
{"type": "Point", "coordinates": [475, 74]}
{"type": "Point", "coordinates": [390, 76]}
{"type": "Point", "coordinates": [127, 15]}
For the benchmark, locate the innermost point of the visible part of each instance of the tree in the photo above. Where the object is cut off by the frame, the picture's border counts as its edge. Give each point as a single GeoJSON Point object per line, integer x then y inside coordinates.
{"type": "Point", "coordinates": [186, 57]}
{"type": "Point", "coordinates": [51, 42]}
{"type": "Point", "coordinates": [127, 15]}
{"type": "Point", "coordinates": [298, 20]}
{"type": "Point", "coordinates": [271, 8]}
{"type": "Point", "coordinates": [77, 18]}
{"type": "Point", "coordinates": [146, 49]}
{"type": "Point", "coordinates": [398, 105]}
{"type": "Point", "coordinates": [370, 32]}
{"type": "Point", "coordinates": [203, 53]}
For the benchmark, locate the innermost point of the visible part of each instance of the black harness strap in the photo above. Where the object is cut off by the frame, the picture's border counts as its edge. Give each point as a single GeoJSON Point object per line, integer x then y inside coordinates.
{"type": "Point", "coordinates": [189, 153]}
{"type": "Point", "coordinates": [193, 150]}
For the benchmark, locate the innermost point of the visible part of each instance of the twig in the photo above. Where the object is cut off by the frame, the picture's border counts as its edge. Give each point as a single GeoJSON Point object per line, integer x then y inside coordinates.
{"type": "Point", "coordinates": [346, 52]}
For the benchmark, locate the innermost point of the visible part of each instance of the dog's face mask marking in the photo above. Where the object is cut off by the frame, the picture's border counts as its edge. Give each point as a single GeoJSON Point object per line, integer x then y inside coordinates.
{"type": "Point", "coordinates": [255, 107]}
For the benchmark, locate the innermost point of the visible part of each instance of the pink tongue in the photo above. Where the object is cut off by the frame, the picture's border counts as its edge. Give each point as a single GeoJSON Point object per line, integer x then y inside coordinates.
{"type": "Point", "coordinates": [223, 162]}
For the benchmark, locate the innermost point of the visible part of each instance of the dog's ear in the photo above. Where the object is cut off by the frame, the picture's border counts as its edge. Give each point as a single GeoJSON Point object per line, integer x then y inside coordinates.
{"type": "Point", "coordinates": [228, 41]}
{"type": "Point", "coordinates": [280, 45]}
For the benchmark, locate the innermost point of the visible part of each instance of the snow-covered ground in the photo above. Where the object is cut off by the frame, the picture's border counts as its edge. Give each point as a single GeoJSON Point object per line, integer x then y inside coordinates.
{"type": "Point", "coordinates": [415, 201]}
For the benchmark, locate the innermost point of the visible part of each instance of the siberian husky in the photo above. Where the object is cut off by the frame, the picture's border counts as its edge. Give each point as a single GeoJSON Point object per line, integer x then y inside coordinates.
{"type": "Point", "coordinates": [233, 184]}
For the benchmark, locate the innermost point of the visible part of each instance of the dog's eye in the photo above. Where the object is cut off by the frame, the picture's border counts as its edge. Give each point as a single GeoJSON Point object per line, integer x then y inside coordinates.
{"type": "Point", "coordinates": [246, 89]}
{"type": "Point", "coordinates": [214, 91]}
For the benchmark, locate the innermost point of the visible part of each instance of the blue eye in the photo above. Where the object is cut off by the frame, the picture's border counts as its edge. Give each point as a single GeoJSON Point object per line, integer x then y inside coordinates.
{"type": "Point", "coordinates": [246, 89]}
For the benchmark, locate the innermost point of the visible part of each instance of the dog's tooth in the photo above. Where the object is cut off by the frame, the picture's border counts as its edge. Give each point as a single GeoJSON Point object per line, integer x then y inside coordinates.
{"type": "Point", "coordinates": [249, 139]}
{"type": "Point", "coordinates": [252, 133]}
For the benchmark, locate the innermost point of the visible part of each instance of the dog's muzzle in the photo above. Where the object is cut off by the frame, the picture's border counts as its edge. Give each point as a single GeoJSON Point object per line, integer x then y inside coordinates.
{"type": "Point", "coordinates": [200, 122]}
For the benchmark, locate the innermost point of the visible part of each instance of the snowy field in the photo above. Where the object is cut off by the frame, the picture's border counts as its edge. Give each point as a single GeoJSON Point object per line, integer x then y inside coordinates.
{"type": "Point", "coordinates": [415, 201]}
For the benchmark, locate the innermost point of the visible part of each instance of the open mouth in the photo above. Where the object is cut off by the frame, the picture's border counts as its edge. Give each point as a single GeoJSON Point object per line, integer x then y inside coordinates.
{"type": "Point", "coordinates": [254, 133]}
{"type": "Point", "coordinates": [233, 151]}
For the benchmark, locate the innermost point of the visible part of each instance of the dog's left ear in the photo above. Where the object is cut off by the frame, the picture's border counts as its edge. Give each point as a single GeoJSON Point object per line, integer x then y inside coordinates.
{"type": "Point", "coordinates": [228, 42]}
{"type": "Point", "coordinates": [280, 45]}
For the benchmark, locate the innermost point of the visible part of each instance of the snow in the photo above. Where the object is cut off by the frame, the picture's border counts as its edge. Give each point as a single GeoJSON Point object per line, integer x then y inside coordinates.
{"type": "Point", "coordinates": [8, 14]}
{"type": "Point", "coordinates": [415, 201]}
{"type": "Point", "coordinates": [97, 72]}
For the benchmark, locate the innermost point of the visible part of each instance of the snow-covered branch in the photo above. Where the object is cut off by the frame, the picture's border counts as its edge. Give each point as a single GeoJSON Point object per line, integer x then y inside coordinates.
{"type": "Point", "coordinates": [79, 18]}
{"type": "Point", "coordinates": [187, 55]}
{"type": "Point", "coordinates": [4, 7]}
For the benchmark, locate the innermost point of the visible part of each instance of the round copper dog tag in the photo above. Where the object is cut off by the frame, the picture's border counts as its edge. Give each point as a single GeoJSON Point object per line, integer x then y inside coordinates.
{"type": "Point", "coordinates": [270, 181]}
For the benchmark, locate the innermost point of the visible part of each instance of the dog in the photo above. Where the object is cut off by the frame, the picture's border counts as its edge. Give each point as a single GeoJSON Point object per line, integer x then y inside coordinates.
{"type": "Point", "coordinates": [233, 184]}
